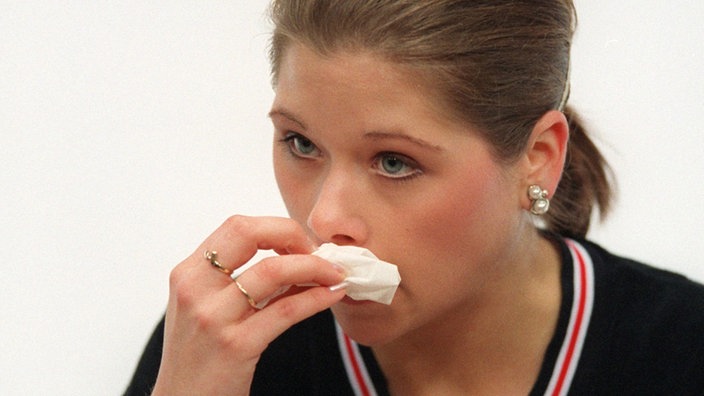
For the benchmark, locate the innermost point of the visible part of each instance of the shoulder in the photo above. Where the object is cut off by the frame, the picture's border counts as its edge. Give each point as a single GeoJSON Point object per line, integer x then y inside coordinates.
{"type": "Point", "coordinates": [649, 290]}
{"type": "Point", "coordinates": [647, 326]}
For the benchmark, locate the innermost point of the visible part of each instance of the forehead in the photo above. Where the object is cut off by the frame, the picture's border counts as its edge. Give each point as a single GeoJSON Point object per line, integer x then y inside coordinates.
{"type": "Point", "coordinates": [354, 68]}
{"type": "Point", "coordinates": [353, 79]}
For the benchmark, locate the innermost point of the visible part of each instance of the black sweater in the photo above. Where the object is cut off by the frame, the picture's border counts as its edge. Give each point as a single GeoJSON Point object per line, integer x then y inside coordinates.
{"type": "Point", "coordinates": [642, 333]}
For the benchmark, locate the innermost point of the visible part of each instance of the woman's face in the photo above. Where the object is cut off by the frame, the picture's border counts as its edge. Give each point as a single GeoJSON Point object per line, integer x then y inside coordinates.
{"type": "Point", "coordinates": [364, 157]}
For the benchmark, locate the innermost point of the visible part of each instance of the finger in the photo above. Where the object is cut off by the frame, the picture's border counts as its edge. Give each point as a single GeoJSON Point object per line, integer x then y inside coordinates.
{"type": "Point", "coordinates": [239, 238]}
{"type": "Point", "coordinates": [273, 274]}
{"type": "Point", "coordinates": [283, 313]}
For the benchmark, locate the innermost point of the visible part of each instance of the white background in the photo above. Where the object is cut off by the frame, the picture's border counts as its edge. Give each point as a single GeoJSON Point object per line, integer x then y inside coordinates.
{"type": "Point", "coordinates": [129, 130]}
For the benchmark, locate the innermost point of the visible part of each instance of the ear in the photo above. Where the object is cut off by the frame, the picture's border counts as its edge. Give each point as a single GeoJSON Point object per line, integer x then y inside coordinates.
{"type": "Point", "coordinates": [546, 152]}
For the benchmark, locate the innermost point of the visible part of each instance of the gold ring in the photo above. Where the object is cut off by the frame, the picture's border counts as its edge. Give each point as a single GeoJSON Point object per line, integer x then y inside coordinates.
{"type": "Point", "coordinates": [250, 300]}
{"type": "Point", "coordinates": [213, 258]}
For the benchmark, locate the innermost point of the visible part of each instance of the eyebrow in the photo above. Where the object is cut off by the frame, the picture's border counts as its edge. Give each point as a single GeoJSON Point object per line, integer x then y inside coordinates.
{"type": "Point", "coordinates": [287, 115]}
{"type": "Point", "coordinates": [374, 135]}
{"type": "Point", "coordinates": [402, 136]}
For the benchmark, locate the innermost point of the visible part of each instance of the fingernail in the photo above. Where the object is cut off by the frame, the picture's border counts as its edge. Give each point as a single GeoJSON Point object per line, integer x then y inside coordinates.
{"type": "Point", "coordinates": [338, 286]}
{"type": "Point", "coordinates": [339, 269]}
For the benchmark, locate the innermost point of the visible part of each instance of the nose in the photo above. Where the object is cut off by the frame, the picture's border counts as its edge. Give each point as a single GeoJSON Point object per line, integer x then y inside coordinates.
{"type": "Point", "coordinates": [336, 215]}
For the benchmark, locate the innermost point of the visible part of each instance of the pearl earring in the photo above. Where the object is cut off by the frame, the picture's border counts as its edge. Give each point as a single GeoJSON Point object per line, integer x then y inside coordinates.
{"type": "Point", "coordinates": [539, 203]}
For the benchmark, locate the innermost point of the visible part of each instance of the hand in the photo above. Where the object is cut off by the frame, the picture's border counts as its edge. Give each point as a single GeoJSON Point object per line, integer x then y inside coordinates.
{"type": "Point", "coordinates": [213, 337]}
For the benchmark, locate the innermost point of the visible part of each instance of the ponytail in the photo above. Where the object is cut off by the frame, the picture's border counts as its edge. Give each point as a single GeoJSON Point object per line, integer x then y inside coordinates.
{"type": "Point", "coordinates": [587, 182]}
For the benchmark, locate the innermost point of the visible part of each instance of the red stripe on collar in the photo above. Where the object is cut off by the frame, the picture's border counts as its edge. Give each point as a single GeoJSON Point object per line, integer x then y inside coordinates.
{"type": "Point", "coordinates": [582, 303]}
{"type": "Point", "coordinates": [357, 373]}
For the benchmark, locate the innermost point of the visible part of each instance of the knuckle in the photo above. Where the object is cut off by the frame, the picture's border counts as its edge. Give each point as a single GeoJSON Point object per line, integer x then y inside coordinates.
{"type": "Point", "coordinates": [243, 347]}
{"type": "Point", "coordinates": [184, 297]}
{"type": "Point", "coordinates": [287, 310]}
{"type": "Point", "coordinates": [268, 269]}
{"type": "Point", "coordinates": [207, 324]}
{"type": "Point", "coordinates": [292, 226]}
{"type": "Point", "coordinates": [176, 276]}
{"type": "Point", "coordinates": [177, 284]}
{"type": "Point", "coordinates": [204, 321]}
{"type": "Point", "coordinates": [238, 225]}
{"type": "Point", "coordinates": [239, 343]}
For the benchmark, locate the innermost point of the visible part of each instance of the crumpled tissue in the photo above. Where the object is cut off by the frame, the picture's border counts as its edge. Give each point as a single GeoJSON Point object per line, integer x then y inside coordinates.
{"type": "Point", "coordinates": [368, 278]}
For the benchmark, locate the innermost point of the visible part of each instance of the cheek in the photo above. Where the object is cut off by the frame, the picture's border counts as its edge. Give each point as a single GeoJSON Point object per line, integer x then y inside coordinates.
{"type": "Point", "coordinates": [292, 190]}
{"type": "Point", "coordinates": [448, 220]}
{"type": "Point", "coordinates": [465, 222]}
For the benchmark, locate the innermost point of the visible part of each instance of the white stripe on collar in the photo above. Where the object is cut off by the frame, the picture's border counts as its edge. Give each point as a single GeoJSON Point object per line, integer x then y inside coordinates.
{"type": "Point", "coordinates": [354, 365]}
{"type": "Point", "coordinates": [582, 304]}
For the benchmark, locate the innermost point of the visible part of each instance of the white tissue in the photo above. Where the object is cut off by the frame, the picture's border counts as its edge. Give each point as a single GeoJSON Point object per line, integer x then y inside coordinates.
{"type": "Point", "coordinates": [368, 278]}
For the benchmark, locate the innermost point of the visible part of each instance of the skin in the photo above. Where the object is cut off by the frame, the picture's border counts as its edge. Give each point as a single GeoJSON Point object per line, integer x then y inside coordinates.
{"type": "Point", "coordinates": [364, 156]}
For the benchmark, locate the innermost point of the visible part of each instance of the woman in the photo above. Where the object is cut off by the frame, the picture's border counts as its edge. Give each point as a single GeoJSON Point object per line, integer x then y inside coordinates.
{"type": "Point", "coordinates": [436, 135]}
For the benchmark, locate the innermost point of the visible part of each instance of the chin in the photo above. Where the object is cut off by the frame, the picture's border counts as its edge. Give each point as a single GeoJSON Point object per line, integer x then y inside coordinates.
{"type": "Point", "coordinates": [366, 322]}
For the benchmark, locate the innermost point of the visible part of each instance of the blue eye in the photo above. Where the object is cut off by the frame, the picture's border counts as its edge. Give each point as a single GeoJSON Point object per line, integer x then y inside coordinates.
{"type": "Point", "coordinates": [300, 146]}
{"type": "Point", "coordinates": [396, 166]}
{"type": "Point", "coordinates": [392, 164]}
{"type": "Point", "coordinates": [303, 145]}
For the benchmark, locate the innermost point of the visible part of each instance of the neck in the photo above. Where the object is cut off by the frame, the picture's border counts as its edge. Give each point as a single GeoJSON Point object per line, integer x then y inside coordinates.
{"type": "Point", "coordinates": [495, 344]}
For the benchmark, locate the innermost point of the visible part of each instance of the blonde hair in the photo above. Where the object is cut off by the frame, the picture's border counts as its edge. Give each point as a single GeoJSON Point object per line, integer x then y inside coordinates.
{"type": "Point", "coordinates": [498, 65]}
